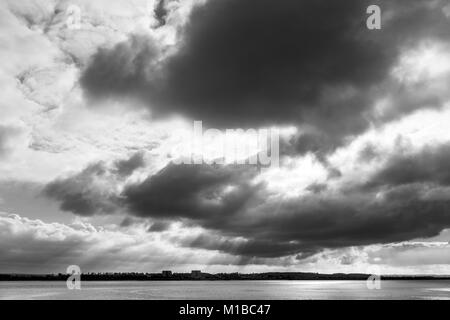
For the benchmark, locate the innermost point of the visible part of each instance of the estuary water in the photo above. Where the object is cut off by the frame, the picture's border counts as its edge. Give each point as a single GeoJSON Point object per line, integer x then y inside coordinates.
{"type": "Point", "coordinates": [227, 290]}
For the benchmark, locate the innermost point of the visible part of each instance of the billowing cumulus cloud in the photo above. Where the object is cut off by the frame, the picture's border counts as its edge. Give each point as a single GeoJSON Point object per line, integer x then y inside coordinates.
{"type": "Point", "coordinates": [93, 190]}
{"type": "Point", "coordinates": [82, 194]}
{"type": "Point", "coordinates": [242, 63]}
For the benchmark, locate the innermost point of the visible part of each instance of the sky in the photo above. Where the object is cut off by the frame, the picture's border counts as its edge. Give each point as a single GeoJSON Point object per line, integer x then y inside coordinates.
{"type": "Point", "coordinates": [98, 103]}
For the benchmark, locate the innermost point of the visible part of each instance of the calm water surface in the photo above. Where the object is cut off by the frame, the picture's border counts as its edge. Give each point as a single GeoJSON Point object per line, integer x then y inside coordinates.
{"type": "Point", "coordinates": [227, 290]}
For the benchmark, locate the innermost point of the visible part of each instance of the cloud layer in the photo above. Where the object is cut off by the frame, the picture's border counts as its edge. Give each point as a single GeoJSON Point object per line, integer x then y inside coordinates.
{"type": "Point", "coordinates": [94, 117]}
{"type": "Point", "coordinates": [393, 205]}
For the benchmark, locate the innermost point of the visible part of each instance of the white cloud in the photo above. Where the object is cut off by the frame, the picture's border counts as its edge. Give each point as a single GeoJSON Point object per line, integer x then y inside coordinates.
{"type": "Point", "coordinates": [41, 63]}
{"type": "Point", "coordinates": [427, 62]}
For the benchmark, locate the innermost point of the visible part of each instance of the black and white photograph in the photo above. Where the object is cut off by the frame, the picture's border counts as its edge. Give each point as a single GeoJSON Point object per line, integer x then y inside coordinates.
{"type": "Point", "coordinates": [224, 150]}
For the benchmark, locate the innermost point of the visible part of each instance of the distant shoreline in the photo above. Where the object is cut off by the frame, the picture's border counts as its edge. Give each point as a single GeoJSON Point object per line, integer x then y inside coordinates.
{"type": "Point", "coordinates": [119, 276]}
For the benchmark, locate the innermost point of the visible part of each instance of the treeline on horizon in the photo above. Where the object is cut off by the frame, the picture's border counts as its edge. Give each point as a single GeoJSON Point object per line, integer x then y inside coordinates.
{"type": "Point", "coordinates": [135, 276]}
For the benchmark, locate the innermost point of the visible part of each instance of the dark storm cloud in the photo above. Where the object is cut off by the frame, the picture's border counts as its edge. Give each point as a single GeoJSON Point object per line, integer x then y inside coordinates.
{"type": "Point", "coordinates": [250, 63]}
{"type": "Point", "coordinates": [430, 165]}
{"type": "Point", "coordinates": [310, 225]}
{"type": "Point", "coordinates": [263, 62]}
{"type": "Point", "coordinates": [82, 193]}
{"type": "Point", "coordinates": [330, 222]}
{"type": "Point", "coordinates": [77, 194]}
{"type": "Point", "coordinates": [192, 191]}
{"type": "Point", "coordinates": [247, 62]}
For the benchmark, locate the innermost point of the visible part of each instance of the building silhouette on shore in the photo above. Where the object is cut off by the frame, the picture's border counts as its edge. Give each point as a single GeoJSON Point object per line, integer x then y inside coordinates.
{"type": "Point", "coordinates": [166, 273]}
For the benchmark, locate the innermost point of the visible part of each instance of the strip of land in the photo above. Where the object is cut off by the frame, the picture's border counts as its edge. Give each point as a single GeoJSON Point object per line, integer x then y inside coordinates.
{"type": "Point", "coordinates": [196, 276]}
